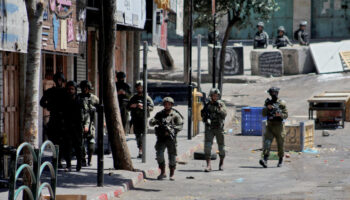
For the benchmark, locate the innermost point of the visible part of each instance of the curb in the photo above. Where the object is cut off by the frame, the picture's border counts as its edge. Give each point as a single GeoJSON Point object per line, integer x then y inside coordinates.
{"type": "Point", "coordinates": [142, 175]}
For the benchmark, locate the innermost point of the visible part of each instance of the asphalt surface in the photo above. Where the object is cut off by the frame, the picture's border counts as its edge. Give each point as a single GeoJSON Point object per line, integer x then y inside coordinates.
{"type": "Point", "coordinates": [320, 175]}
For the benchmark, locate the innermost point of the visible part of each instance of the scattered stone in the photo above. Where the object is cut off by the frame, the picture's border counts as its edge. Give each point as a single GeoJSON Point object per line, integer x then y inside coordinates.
{"type": "Point", "coordinates": [189, 177]}
{"type": "Point", "coordinates": [325, 133]}
{"type": "Point", "coordinates": [182, 162]}
{"type": "Point", "coordinates": [287, 156]}
{"type": "Point", "coordinates": [319, 145]}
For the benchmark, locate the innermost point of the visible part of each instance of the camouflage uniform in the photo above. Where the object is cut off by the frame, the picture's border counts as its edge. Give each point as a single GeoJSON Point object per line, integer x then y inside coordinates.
{"type": "Point", "coordinates": [88, 103]}
{"type": "Point", "coordinates": [275, 127]}
{"type": "Point", "coordinates": [137, 116]}
{"type": "Point", "coordinates": [261, 38]}
{"type": "Point", "coordinates": [281, 41]}
{"type": "Point", "coordinates": [169, 123]}
{"type": "Point", "coordinates": [301, 35]}
{"type": "Point", "coordinates": [216, 113]}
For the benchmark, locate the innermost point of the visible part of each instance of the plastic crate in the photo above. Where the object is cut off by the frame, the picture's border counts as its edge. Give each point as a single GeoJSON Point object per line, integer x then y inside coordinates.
{"type": "Point", "coordinates": [252, 121]}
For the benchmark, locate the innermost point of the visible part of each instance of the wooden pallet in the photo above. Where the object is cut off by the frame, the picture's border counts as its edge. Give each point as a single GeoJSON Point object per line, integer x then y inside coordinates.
{"type": "Point", "coordinates": [345, 57]}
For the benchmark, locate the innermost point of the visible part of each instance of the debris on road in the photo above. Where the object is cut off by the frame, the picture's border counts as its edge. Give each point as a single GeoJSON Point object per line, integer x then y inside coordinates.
{"type": "Point", "coordinates": [239, 180]}
{"type": "Point", "coordinates": [325, 133]}
{"type": "Point", "coordinates": [189, 177]}
{"type": "Point", "coordinates": [311, 151]}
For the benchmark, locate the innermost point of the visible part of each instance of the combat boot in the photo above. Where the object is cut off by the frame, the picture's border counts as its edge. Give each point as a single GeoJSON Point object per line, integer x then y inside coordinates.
{"type": "Point", "coordinates": [140, 153]}
{"type": "Point", "coordinates": [208, 169]}
{"type": "Point", "coordinates": [89, 160]}
{"type": "Point", "coordinates": [263, 162]}
{"type": "Point", "coordinates": [280, 161]}
{"type": "Point", "coordinates": [172, 172]}
{"type": "Point", "coordinates": [221, 164]}
{"type": "Point", "coordinates": [162, 174]}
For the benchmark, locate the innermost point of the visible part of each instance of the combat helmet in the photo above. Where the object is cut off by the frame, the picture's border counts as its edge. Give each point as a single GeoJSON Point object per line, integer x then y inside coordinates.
{"type": "Point", "coordinates": [281, 28]}
{"type": "Point", "coordinates": [214, 91]}
{"type": "Point", "coordinates": [168, 99]}
{"type": "Point", "coordinates": [260, 24]}
{"type": "Point", "coordinates": [59, 75]}
{"type": "Point", "coordinates": [85, 84]}
{"type": "Point", "coordinates": [303, 23]}
{"type": "Point", "coordinates": [273, 89]}
{"type": "Point", "coordinates": [138, 83]}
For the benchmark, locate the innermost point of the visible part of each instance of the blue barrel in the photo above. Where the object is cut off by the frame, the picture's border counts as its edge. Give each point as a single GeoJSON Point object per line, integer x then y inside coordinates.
{"type": "Point", "coordinates": [252, 121]}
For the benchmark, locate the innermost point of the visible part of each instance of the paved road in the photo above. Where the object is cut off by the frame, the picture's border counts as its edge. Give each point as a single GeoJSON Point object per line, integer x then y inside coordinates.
{"type": "Point", "coordinates": [323, 175]}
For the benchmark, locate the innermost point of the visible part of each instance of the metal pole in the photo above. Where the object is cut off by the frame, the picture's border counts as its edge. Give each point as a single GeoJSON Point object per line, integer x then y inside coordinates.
{"type": "Point", "coordinates": [199, 46]}
{"type": "Point", "coordinates": [214, 52]}
{"type": "Point", "coordinates": [100, 170]}
{"type": "Point", "coordinates": [144, 136]}
{"type": "Point", "coordinates": [189, 131]}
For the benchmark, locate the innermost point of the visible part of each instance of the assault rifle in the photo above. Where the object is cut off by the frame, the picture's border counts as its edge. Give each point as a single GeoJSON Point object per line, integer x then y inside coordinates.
{"type": "Point", "coordinates": [271, 113]}
{"type": "Point", "coordinates": [165, 129]}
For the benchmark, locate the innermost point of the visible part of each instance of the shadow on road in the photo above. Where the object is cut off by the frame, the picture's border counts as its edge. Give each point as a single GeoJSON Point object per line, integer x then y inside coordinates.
{"type": "Point", "coordinates": [191, 170]}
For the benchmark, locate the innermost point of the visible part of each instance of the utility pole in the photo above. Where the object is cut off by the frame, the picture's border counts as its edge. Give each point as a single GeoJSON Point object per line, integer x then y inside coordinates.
{"type": "Point", "coordinates": [145, 130]}
{"type": "Point", "coordinates": [214, 42]}
{"type": "Point", "coordinates": [100, 153]}
{"type": "Point", "coordinates": [199, 46]}
{"type": "Point", "coordinates": [190, 27]}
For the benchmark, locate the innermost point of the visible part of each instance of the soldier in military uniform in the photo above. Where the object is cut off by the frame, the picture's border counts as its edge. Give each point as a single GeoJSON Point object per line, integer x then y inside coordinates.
{"type": "Point", "coordinates": [72, 125]}
{"type": "Point", "coordinates": [89, 103]}
{"type": "Point", "coordinates": [213, 115]}
{"type": "Point", "coordinates": [52, 100]}
{"type": "Point", "coordinates": [169, 122]}
{"type": "Point", "coordinates": [301, 35]}
{"type": "Point", "coordinates": [275, 110]}
{"type": "Point", "coordinates": [282, 40]}
{"type": "Point", "coordinates": [135, 105]}
{"type": "Point", "coordinates": [261, 39]}
{"type": "Point", "coordinates": [123, 90]}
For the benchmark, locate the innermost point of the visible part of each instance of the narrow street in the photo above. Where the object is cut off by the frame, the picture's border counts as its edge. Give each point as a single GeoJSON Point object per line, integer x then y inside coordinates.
{"type": "Point", "coordinates": [321, 175]}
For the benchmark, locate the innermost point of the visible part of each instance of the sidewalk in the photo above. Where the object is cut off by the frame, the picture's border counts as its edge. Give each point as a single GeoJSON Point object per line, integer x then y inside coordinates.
{"type": "Point", "coordinates": [117, 182]}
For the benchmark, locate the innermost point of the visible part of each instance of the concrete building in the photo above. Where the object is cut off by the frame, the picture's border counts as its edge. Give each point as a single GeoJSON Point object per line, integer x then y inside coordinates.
{"type": "Point", "coordinates": [327, 19]}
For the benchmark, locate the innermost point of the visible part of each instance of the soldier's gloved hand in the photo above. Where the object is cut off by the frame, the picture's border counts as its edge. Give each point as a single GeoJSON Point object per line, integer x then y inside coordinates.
{"type": "Point", "coordinates": [270, 107]}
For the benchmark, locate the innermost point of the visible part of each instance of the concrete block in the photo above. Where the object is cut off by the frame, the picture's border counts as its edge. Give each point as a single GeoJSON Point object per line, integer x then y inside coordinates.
{"type": "Point", "coordinates": [266, 62]}
{"type": "Point", "coordinates": [297, 60]}
{"type": "Point", "coordinates": [233, 60]}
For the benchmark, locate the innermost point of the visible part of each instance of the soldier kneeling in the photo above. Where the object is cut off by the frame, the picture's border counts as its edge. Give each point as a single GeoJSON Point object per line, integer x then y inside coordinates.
{"type": "Point", "coordinates": [168, 123]}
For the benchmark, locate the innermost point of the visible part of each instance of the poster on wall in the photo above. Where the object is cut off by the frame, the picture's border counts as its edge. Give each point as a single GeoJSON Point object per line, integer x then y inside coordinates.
{"type": "Point", "coordinates": [131, 13]}
{"type": "Point", "coordinates": [64, 29]}
{"type": "Point", "coordinates": [13, 26]}
{"type": "Point", "coordinates": [180, 17]}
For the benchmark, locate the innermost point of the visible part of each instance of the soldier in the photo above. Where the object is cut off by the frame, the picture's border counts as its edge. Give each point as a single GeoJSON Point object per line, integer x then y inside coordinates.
{"type": "Point", "coordinates": [123, 90]}
{"type": "Point", "coordinates": [276, 111]}
{"type": "Point", "coordinates": [261, 39]}
{"type": "Point", "coordinates": [88, 103]}
{"type": "Point", "coordinates": [301, 35]}
{"type": "Point", "coordinates": [169, 122]}
{"type": "Point", "coordinates": [213, 115]}
{"type": "Point", "coordinates": [282, 40]}
{"type": "Point", "coordinates": [72, 125]}
{"type": "Point", "coordinates": [135, 105]}
{"type": "Point", "coordinates": [52, 101]}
